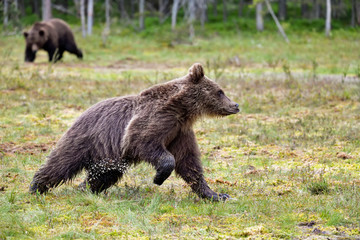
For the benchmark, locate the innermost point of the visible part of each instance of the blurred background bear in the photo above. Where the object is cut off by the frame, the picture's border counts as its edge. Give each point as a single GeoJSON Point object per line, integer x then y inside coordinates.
{"type": "Point", "coordinates": [54, 36]}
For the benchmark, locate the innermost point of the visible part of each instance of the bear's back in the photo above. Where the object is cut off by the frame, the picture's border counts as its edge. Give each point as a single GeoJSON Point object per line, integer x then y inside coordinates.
{"type": "Point", "coordinates": [61, 28]}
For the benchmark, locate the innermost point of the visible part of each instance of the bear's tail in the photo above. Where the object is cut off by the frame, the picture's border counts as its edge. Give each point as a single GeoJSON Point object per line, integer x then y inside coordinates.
{"type": "Point", "coordinates": [57, 170]}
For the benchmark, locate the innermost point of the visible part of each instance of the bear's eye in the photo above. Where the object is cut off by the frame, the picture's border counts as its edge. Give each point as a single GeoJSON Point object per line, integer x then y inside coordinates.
{"type": "Point", "coordinates": [220, 93]}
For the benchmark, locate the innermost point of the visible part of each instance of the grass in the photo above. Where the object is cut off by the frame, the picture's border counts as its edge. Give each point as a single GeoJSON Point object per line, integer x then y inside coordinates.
{"type": "Point", "coordinates": [289, 158]}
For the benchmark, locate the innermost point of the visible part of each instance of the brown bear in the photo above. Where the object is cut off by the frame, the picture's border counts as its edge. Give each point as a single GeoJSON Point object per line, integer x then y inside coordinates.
{"type": "Point", "coordinates": [54, 36]}
{"type": "Point", "coordinates": [154, 126]}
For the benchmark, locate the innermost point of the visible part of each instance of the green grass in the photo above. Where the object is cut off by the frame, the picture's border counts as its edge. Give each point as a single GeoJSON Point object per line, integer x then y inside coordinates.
{"type": "Point", "coordinates": [279, 158]}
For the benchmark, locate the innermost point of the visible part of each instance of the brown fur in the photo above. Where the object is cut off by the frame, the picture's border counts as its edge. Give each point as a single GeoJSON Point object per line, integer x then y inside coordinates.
{"type": "Point", "coordinates": [154, 126]}
{"type": "Point", "coordinates": [54, 36]}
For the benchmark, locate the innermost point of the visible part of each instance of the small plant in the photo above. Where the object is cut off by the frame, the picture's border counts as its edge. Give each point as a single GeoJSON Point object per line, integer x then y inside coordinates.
{"type": "Point", "coordinates": [318, 187]}
{"type": "Point", "coordinates": [286, 69]}
{"type": "Point", "coordinates": [344, 73]}
{"type": "Point", "coordinates": [290, 81]}
{"type": "Point", "coordinates": [216, 66]}
{"type": "Point", "coordinates": [273, 62]}
{"type": "Point", "coordinates": [314, 65]}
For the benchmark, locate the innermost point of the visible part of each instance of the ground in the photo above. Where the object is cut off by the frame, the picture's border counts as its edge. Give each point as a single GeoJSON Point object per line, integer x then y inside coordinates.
{"type": "Point", "coordinates": [290, 159]}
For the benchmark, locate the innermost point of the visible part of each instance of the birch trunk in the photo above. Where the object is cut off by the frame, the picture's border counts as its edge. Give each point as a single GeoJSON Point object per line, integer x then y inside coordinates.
{"type": "Point", "coordinates": [281, 30]}
{"type": "Point", "coordinates": [107, 15]}
{"type": "Point", "coordinates": [82, 17]}
{"type": "Point", "coordinates": [203, 9]}
{"type": "Point", "coordinates": [46, 10]}
{"type": "Point", "coordinates": [174, 11]}
{"type": "Point", "coordinates": [141, 14]}
{"type": "Point", "coordinates": [259, 17]}
{"type": "Point", "coordinates": [191, 9]}
{"type": "Point", "coordinates": [6, 13]}
{"type": "Point", "coordinates": [328, 18]}
{"type": "Point", "coordinates": [90, 16]}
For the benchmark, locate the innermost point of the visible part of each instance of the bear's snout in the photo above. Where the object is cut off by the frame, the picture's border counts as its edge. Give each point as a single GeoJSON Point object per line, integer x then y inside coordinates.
{"type": "Point", "coordinates": [236, 108]}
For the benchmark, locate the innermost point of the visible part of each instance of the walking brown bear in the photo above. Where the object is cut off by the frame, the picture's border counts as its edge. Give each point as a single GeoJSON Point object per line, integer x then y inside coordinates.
{"type": "Point", "coordinates": [54, 36]}
{"type": "Point", "coordinates": [154, 126]}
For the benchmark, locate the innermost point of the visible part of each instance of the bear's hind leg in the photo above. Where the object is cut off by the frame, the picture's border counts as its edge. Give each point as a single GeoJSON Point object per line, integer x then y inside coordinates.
{"type": "Point", "coordinates": [54, 173]}
{"type": "Point", "coordinates": [100, 182]}
{"type": "Point", "coordinates": [103, 174]}
{"type": "Point", "coordinates": [72, 48]}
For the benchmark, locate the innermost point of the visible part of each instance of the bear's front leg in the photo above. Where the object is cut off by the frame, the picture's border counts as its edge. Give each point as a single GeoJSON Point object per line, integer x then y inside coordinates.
{"type": "Point", "coordinates": [144, 141]}
{"type": "Point", "coordinates": [189, 167]}
{"type": "Point", "coordinates": [201, 187]}
{"type": "Point", "coordinates": [164, 169]}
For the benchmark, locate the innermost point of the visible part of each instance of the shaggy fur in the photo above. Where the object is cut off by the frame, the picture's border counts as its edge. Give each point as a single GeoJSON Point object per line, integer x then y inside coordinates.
{"type": "Point", "coordinates": [154, 126]}
{"type": "Point", "coordinates": [54, 36]}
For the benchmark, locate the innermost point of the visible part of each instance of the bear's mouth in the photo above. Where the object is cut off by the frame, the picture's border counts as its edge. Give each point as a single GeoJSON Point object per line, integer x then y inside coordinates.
{"type": "Point", "coordinates": [230, 111]}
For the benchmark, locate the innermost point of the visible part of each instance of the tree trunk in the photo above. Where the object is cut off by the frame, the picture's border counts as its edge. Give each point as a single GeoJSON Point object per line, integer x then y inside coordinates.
{"type": "Point", "coordinates": [107, 15]}
{"type": "Point", "coordinates": [6, 13]}
{"type": "Point", "coordinates": [82, 17]}
{"type": "Point", "coordinates": [174, 11]}
{"type": "Point", "coordinates": [304, 9]}
{"type": "Point", "coordinates": [225, 12]}
{"type": "Point", "coordinates": [77, 7]}
{"type": "Point", "coordinates": [46, 10]}
{"type": "Point", "coordinates": [35, 7]}
{"type": "Point", "coordinates": [353, 13]}
{"type": "Point", "coordinates": [259, 17]}
{"type": "Point", "coordinates": [357, 2]}
{"type": "Point", "coordinates": [191, 9]}
{"type": "Point", "coordinates": [316, 9]}
{"type": "Point", "coordinates": [281, 30]}
{"type": "Point", "coordinates": [336, 9]}
{"type": "Point", "coordinates": [241, 8]}
{"type": "Point", "coordinates": [164, 8]}
{"type": "Point", "coordinates": [202, 5]}
{"type": "Point", "coordinates": [122, 8]}
{"type": "Point", "coordinates": [161, 10]}
{"type": "Point", "coordinates": [16, 12]}
{"type": "Point", "coordinates": [282, 10]}
{"type": "Point", "coordinates": [106, 30]}
{"type": "Point", "coordinates": [132, 9]}
{"type": "Point", "coordinates": [90, 14]}
{"type": "Point", "coordinates": [215, 8]}
{"type": "Point", "coordinates": [22, 8]}
{"type": "Point", "coordinates": [328, 18]}
{"type": "Point", "coordinates": [141, 14]}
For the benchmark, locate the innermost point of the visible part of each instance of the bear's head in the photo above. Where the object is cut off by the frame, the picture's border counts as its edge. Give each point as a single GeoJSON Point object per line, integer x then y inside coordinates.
{"type": "Point", "coordinates": [208, 94]}
{"type": "Point", "coordinates": [35, 39]}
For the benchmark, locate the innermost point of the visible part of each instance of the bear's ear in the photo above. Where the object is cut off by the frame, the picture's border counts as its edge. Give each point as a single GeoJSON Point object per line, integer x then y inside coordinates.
{"type": "Point", "coordinates": [41, 32]}
{"type": "Point", "coordinates": [26, 34]}
{"type": "Point", "coordinates": [196, 72]}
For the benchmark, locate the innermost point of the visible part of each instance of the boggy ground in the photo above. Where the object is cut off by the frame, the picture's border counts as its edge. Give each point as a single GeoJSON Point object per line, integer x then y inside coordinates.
{"type": "Point", "coordinates": [290, 159]}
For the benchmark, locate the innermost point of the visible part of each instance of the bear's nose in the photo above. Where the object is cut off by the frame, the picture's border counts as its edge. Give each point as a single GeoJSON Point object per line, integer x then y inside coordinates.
{"type": "Point", "coordinates": [236, 105]}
